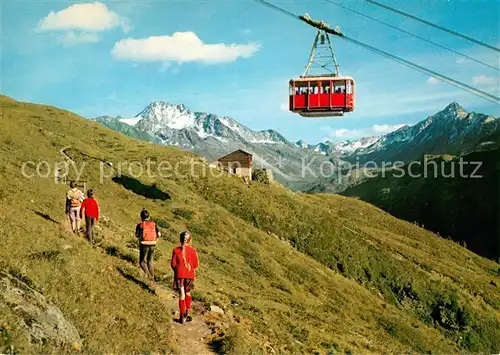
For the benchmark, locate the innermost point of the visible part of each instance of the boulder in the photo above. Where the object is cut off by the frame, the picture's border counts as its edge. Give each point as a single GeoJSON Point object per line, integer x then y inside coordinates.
{"type": "Point", "coordinates": [43, 321]}
{"type": "Point", "coordinates": [216, 309]}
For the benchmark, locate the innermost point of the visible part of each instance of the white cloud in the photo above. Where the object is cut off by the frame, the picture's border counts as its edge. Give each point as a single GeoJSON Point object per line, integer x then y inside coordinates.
{"type": "Point", "coordinates": [347, 133]}
{"type": "Point", "coordinates": [386, 128]}
{"type": "Point", "coordinates": [247, 31]}
{"type": "Point", "coordinates": [432, 81]}
{"type": "Point", "coordinates": [180, 47]}
{"type": "Point", "coordinates": [75, 38]}
{"type": "Point", "coordinates": [90, 17]}
{"type": "Point", "coordinates": [375, 130]}
{"type": "Point", "coordinates": [484, 80]}
{"type": "Point", "coordinates": [284, 107]}
{"type": "Point", "coordinates": [460, 61]}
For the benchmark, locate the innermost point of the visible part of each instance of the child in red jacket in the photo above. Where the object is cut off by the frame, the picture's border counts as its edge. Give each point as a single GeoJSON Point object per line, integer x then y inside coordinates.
{"type": "Point", "coordinates": [184, 262]}
{"type": "Point", "coordinates": [90, 209]}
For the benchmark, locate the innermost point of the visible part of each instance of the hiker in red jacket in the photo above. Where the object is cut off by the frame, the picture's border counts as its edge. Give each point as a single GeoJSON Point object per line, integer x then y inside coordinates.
{"type": "Point", "coordinates": [147, 232]}
{"type": "Point", "coordinates": [90, 209]}
{"type": "Point", "coordinates": [184, 262]}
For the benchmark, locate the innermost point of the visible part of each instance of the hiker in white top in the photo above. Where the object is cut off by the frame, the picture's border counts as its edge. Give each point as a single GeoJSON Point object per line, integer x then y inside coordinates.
{"type": "Point", "coordinates": [74, 199]}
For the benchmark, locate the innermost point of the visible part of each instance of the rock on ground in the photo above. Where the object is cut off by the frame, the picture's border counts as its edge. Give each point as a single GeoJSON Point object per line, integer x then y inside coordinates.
{"type": "Point", "coordinates": [216, 309]}
{"type": "Point", "coordinates": [43, 321]}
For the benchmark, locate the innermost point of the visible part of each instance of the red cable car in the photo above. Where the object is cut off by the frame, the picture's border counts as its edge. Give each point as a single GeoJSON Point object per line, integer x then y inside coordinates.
{"type": "Point", "coordinates": [322, 96]}
{"type": "Point", "coordinates": [326, 95]}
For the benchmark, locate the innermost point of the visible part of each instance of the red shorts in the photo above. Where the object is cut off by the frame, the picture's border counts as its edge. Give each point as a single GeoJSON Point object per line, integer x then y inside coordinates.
{"type": "Point", "coordinates": [188, 284]}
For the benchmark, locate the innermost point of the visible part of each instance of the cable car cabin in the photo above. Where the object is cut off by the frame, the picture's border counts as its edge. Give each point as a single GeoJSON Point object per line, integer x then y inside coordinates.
{"type": "Point", "coordinates": [322, 96]}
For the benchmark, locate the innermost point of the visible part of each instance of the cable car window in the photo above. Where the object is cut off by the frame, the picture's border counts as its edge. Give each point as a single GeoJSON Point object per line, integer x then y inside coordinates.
{"type": "Point", "coordinates": [339, 87]}
{"type": "Point", "coordinates": [349, 87]}
{"type": "Point", "coordinates": [313, 89]}
{"type": "Point", "coordinates": [300, 88]}
{"type": "Point", "coordinates": [325, 87]}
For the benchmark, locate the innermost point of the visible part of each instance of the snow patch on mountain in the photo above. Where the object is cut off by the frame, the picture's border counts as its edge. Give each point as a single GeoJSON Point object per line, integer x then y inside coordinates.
{"type": "Point", "coordinates": [323, 148]}
{"type": "Point", "coordinates": [164, 115]}
{"type": "Point", "coordinates": [352, 146]}
{"type": "Point", "coordinates": [301, 144]}
{"type": "Point", "coordinates": [178, 125]}
{"type": "Point", "coordinates": [231, 124]}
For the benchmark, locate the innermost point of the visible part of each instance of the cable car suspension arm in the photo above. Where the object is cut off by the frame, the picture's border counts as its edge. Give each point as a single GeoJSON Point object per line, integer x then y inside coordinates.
{"type": "Point", "coordinates": [330, 64]}
{"type": "Point", "coordinates": [412, 35]}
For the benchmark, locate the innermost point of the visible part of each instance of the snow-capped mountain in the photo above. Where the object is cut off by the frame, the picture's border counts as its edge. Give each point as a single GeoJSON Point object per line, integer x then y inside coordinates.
{"type": "Point", "coordinates": [213, 136]}
{"type": "Point", "coordinates": [324, 148]}
{"type": "Point", "coordinates": [349, 147]}
{"type": "Point", "coordinates": [178, 125]}
{"type": "Point", "coordinates": [301, 144]}
{"type": "Point", "coordinates": [452, 130]}
{"type": "Point", "coordinates": [345, 147]}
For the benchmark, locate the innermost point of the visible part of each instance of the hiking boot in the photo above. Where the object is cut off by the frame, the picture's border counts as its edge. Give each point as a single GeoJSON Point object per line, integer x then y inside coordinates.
{"type": "Point", "coordinates": [188, 318]}
{"type": "Point", "coordinates": [152, 283]}
{"type": "Point", "coordinates": [182, 320]}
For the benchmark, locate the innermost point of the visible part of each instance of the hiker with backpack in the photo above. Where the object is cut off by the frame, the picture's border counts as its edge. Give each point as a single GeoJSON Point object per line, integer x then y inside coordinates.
{"type": "Point", "coordinates": [74, 199]}
{"type": "Point", "coordinates": [147, 232]}
{"type": "Point", "coordinates": [90, 209]}
{"type": "Point", "coordinates": [184, 263]}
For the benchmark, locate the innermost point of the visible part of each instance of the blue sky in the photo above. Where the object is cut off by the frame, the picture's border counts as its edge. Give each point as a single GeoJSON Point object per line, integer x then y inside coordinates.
{"type": "Point", "coordinates": [235, 58]}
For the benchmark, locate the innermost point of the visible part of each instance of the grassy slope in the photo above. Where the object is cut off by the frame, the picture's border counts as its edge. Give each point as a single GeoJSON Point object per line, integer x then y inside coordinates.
{"type": "Point", "coordinates": [464, 209]}
{"type": "Point", "coordinates": [356, 279]}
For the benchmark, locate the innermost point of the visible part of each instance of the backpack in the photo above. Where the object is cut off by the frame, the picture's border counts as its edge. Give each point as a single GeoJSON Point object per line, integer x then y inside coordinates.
{"type": "Point", "coordinates": [149, 231]}
{"type": "Point", "coordinates": [75, 198]}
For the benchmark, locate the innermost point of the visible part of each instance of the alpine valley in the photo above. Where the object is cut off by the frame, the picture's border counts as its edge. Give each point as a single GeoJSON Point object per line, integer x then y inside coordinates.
{"type": "Point", "coordinates": [297, 165]}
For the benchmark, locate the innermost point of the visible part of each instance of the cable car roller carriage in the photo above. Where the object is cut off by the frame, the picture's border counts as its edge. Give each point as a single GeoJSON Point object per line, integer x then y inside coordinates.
{"type": "Point", "coordinates": [325, 95]}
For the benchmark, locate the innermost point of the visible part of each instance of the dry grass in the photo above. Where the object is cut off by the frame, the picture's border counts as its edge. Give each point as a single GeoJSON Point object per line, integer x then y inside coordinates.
{"type": "Point", "coordinates": [344, 277]}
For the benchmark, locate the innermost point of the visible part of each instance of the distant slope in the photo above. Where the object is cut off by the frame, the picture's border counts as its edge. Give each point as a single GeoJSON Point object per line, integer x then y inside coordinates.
{"type": "Point", "coordinates": [465, 208]}
{"type": "Point", "coordinates": [295, 273]}
{"type": "Point", "coordinates": [117, 125]}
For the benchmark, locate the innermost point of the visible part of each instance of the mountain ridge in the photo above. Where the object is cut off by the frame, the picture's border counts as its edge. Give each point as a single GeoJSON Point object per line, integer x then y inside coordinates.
{"type": "Point", "coordinates": [179, 117]}
{"type": "Point", "coordinates": [450, 131]}
{"type": "Point", "coordinates": [213, 136]}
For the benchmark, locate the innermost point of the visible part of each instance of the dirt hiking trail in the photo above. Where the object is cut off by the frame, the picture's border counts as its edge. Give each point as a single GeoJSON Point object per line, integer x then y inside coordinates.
{"type": "Point", "coordinates": [191, 337]}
